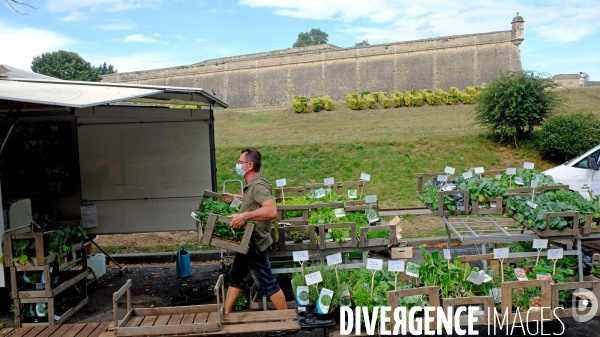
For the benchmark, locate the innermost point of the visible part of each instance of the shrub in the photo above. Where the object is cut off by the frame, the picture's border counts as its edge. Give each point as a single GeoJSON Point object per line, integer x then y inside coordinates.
{"type": "Point", "coordinates": [439, 92]}
{"type": "Point", "coordinates": [473, 90]}
{"type": "Point", "coordinates": [383, 99]}
{"type": "Point", "coordinates": [327, 102]}
{"type": "Point", "coordinates": [454, 91]}
{"type": "Point", "coordinates": [416, 100]}
{"type": "Point", "coordinates": [516, 102]}
{"type": "Point", "coordinates": [566, 136]}
{"type": "Point", "coordinates": [407, 98]}
{"type": "Point", "coordinates": [354, 103]}
{"type": "Point", "coordinates": [316, 103]}
{"type": "Point", "coordinates": [376, 95]}
{"type": "Point", "coordinates": [467, 99]}
{"type": "Point", "coordinates": [369, 101]}
{"type": "Point", "coordinates": [299, 104]}
{"type": "Point", "coordinates": [433, 99]}
{"type": "Point", "coordinates": [397, 99]}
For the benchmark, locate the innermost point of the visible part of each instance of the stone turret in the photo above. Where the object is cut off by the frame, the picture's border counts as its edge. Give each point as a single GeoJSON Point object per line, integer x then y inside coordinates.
{"type": "Point", "coordinates": [517, 34]}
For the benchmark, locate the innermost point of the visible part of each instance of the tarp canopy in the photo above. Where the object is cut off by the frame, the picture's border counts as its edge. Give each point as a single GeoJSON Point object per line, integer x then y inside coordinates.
{"type": "Point", "coordinates": [15, 86]}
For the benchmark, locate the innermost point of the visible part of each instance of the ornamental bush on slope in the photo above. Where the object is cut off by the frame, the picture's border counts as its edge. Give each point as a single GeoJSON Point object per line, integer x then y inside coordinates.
{"type": "Point", "coordinates": [565, 137]}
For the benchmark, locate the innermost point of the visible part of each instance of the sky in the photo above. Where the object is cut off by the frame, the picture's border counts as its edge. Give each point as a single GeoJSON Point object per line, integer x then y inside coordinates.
{"type": "Point", "coordinates": [561, 37]}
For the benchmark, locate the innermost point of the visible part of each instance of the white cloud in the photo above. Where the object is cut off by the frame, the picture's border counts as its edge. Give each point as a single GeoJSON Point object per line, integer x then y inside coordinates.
{"type": "Point", "coordinates": [57, 6]}
{"type": "Point", "coordinates": [139, 38]}
{"type": "Point", "coordinates": [73, 16]}
{"type": "Point", "coordinates": [138, 62]}
{"type": "Point", "coordinates": [179, 36]}
{"type": "Point", "coordinates": [29, 42]}
{"type": "Point", "coordinates": [118, 26]}
{"type": "Point", "coordinates": [200, 39]}
{"type": "Point", "coordinates": [156, 34]}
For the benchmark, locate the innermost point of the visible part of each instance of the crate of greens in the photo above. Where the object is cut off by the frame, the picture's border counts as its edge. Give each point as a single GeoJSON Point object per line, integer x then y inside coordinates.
{"type": "Point", "coordinates": [218, 233]}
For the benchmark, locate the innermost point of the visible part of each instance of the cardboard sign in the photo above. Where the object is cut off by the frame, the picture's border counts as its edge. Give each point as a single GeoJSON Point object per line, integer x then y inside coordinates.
{"type": "Point", "coordinates": [396, 266]}
{"type": "Point", "coordinates": [412, 269]}
{"type": "Point", "coordinates": [528, 165]}
{"type": "Point", "coordinates": [89, 216]}
{"type": "Point", "coordinates": [365, 177]}
{"type": "Point", "coordinates": [320, 193]}
{"type": "Point", "coordinates": [442, 177]}
{"type": "Point", "coordinates": [479, 170]}
{"type": "Point", "coordinates": [447, 254]}
{"type": "Point", "coordinates": [236, 203]}
{"type": "Point", "coordinates": [313, 278]}
{"type": "Point", "coordinates": [511, 171]}
{"type": "Point", "coordinates": [540, 243]}
{"type": "Point", "coordinates": [501, 253]}
{"type": "Point", "coordinates": [334, 259]}
{"type": "Point", "coordinates": [328, 181]}
{"type": "Point", "coordinates": [475, 278]}
{"type": "Point", "coordinates": [352, 194]}
{"type": "Point", "coordinates": [280, 182]}
{"type": "Point", "coordinates": [468, 175]}
{"type": "Point", "coordinates": [449, 170]}
{"type": "Point", "coordinates": [339, 212]}
{"type": "Point", "coordinates": [534, 183]}
{"type": "Point", "coordinates": [301, 255]}
{"type": "Point", "coordinates": [555, 254]}
{"type": "Point", "coordinates": [374, 264]}
{"type": "Point", "coordinates": [371, 199]}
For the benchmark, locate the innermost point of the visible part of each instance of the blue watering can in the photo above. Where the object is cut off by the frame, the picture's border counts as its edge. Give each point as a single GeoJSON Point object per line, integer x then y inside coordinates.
{"type": "Point", "coordinates": [184, 269]}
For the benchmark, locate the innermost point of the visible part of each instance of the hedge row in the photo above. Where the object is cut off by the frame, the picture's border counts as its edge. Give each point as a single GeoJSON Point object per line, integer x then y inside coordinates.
{"type": "Point", "coordinates": [300, 105]}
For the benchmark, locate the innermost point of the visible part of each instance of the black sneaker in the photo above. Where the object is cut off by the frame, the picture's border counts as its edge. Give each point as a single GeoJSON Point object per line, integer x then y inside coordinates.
{"type": "Point", "coordinates": [277, 333]}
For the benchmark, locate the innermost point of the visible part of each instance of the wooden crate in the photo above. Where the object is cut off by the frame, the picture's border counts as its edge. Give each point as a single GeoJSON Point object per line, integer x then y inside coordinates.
{"type": "Point", "coordinates": [366, 242]}
{"type": "Point", "coordinates": [311, 244]}
{"type": "Point", "coordinates": [492, 210]}
{"type": "Point", "coordinates": [494, 264]}
{"type": "Point", "coordinates": [289, 193]}
{"type": "Point", "coordinates": [482, 319]}
{"type": "Point", "coordinates": [587, 226]}
{"type": "Point", "coordinates": [425, 175]}
{"type": "Point", "coordinates": [444, 212]}
{"type": "Point", "coordinates": [314, 186]}
{"type": "Point", "coordinates": [394, 296]}
{"type": "Point", "coordinates": [360, 187]}
{"type": "Point", "coordinates": [39, 259]}
{"type": "Point", "coordinates": [544, 189]}
{"type": "Point", "coordinates": [194, 319]}
{"type": "Point", "coordinates": [208, 239]}
{"type": "Point", "coordinates": [360, 205]}
{"type": "Point", "coordinates": [327, 204]}
{"type": "Point", "coordinates": [328, 245]}
{"type": "Point", "coordinates": [547, 232]}
{"type": "Point", "coordinates": [283, 208]}
{"type": "Point", "coordinates": [546, 297]}
{"type": "Point", "coordinates": [592, 286]}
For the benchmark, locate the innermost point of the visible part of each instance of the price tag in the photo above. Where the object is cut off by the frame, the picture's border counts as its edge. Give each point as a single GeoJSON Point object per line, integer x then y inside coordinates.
{"type": "Point", "coordinates": [365, 177]}
{"type": "Point", "coordinates": [328, 181]}
{"type": "Point", "coordinates": [442, 177]}
{"type": "Point", "coordinates": [534, 183]}
{"type": "Point", "coordinates": [301, 255]}
{"type": "Point", "coordinates": [555, 254]}
{"type": "Point", "coordinates": [352, 194]}
{"type": "Point", "coordinates": [313, 278]}
{"type": "Point", "coordinates": [449, 170]}
{"type": "Point", "coordinates": [374, 264]}
{"type": "Point", "coordinates": [475, 278]}
{"type": "Point", "coordinates": [447, 255]}
{"type": "Point", "coordinates": [501, 253]}
{"type": "Point", "coordinates": [540, 243]}
{"type": "Point", "coordinates": [518, 180]}
{"type": "Point", "coordinates": [479, 170]}
{"type": "Point", "coordinates": [412, 269]}
{"type": "Point", "coordinates": [339, 212]}
{"type": "Point", "coordinates": [396, 266]}
{"type": "Point", "coordinates": [484, 277]}
{"type": "Point", "coordinates": [280, 182]}
{"type": "Point", "coordinates": [236, 203]}
{"type": "Point", "coordinates": [334, 259]}
{"type": "Point", "coordinates": [528, 165]}
{"type": "Point", "coordinates": [320, 193]}
{"type": "Point", "coordinates": [467, 175]}
{"type": "Point", "coordinates": [595, 187]}
{"type": "Point", "coordinates": [371, 199]}
{"type": "Point", "coordinates": [532, 204]}
{"type": "Point", "coordinates": [511, 171]}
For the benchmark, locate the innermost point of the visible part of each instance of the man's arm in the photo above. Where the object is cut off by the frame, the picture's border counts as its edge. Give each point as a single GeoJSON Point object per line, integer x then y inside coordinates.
{"type": "Point", "coordinates": [267, 211]}
{"type": "Point", "coordinates": [228, 197]}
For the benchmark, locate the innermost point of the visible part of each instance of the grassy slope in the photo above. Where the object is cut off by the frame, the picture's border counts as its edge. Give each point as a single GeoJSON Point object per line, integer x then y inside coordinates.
{"type": "Point", "coordinates": [393, 145]}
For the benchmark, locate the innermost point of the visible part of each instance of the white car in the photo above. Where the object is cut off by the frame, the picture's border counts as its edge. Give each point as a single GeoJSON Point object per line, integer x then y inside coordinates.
{"type": "Point", "coordinates": [581, 173]}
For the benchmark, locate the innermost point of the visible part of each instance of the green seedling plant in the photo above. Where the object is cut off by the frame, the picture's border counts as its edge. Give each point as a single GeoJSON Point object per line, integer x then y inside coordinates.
{"type": "Point", "coordinates": [21, 250]}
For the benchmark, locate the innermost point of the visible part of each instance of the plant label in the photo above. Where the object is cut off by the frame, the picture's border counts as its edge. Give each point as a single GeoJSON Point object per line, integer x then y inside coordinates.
{"type": "Point", "coordinates": [365, 177]}
{"type": "Point", "coordinates": [352, 194]}
{"type": "Point", "coordinates": [474, 278]}
{"type": "Point", "coordinates": [236, 203]}
{"type": "Point", "coordinates": [280, 182]}
{"type": "Point", "coordinates": [501, 253]}
{"type": "Point", "coordinates": [510, 171]}
{"type": "Point", "coordinates": [542, 277]}
{"type": "Point", "coordinates": [334, 259]}
{"type": "Point", "coordinates": [479, 170]}
{"type": "Point", "coordinates": [595, 187]}
{"type": "Point", "coordinates": [484, 277]}
{"type": "Point", "coordinates": [532, 204]}
{"type": "Point", "coordinates": [528, 165]}
{"type": "Point", "coordinates": [449, 170]}
{"type": "Point", "coordinates": [329, 181]}
{"type": "Point", "coordinates": [447, 254]}
{"type": "Point", "coordinates": [540, 243]}
{"type": "Point", "coordinates": [339, 212]}
{"type": "Point", "coordinates": [498, 176]}
{"type": "Point", "coordinates": [370, 199]}
{"type": "Point", "coordinates": [555, 254]}
{"type": "Point", "coordinates": [302, 295]}
{"type": "Point", "coordinates": [324, 301]}
{"type": "Point", "coordinates": [520, 274]}
{"type": "Point", "coordinates": [442, 177]}
{"type": "Point", "coordinates": [372, 216]}
{"type": "Point", "coordinates": [301, 255]}
{"type": "Point", "coordinates": [519, 181]}
{"type": "Point", "coordinates": [194, 216]}
{"type": "Point", "coordinates": [468, 175]}
{"type": "Point", "coordinates": [320, 193]}
{"type": "Point", "coordinates": [412, 269]}
{"type": "Point", "coordinates": [313, 278]}
{"type": "Point", "coordinates": [396, 266]}
{"type": "Point", "coordinates": [374, 264]}
{"type": "Point", "coordinates": [534, 183]}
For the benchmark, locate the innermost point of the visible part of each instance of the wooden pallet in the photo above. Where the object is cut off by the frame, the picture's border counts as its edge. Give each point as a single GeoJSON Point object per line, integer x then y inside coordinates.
{"type": "Point", "coordinates": [209, 239]}
{"type": "Point", "coordinates": [80, 330]}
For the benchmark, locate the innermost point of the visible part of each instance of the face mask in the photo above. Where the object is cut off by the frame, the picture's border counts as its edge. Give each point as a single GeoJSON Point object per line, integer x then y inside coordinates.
{"type": "Point", "coordinates": [238, 170]}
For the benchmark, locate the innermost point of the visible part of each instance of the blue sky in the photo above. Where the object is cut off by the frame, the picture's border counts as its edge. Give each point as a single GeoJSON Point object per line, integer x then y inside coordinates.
{"type": "Point", "coordinates": [560, 36]}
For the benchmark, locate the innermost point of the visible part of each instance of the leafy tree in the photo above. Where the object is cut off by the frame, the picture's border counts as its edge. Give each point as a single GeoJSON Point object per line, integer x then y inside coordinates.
{"type": "Point", "coordinates": [563, 137]}
{"type": "Point", "coordinates": [315, 36]}
{"type": "Point", "coordinates": [69, 66]}
{"type": "Point", "coordinates": [364, 43]}
{"type": "Point", "coordinates": [516, 102]}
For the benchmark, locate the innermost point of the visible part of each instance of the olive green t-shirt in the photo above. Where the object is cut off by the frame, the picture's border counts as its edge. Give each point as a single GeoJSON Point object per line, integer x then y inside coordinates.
{"type": "Point", "coordinates": [257, 192]}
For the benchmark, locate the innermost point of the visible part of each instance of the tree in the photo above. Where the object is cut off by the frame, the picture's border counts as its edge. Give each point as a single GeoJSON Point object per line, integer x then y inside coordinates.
{"type": "Point", "coordinates": [315, 36]}
{"type": "Point", "coordinates": [364, 43]}
{"type": "Point", "coordinates": [13, 3]}
{"type": "Point", "coordinates": [68, 66]}
{"type": "Point", "coordinates": [514, 103]}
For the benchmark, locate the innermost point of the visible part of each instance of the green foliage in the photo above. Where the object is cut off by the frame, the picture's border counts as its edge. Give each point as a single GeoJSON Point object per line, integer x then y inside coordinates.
{"type": "Point", "coordinates": [563, 137]}
{"type": "Point", "coordinates": [433, 99]}
{"type": "Point", "coordinates": [299, 104]}
{"type": "Point", "coordinates": [451, 97]}
{"type": "Point", "coordinates": [449, 275]}
{"type": "Point", "coordinates": [473, 90]}
{"type": "Point", "coordinates": [316, 103]}
{"type": "Point", "coordinates": [314, 37]}
{"type": "Point", "coordinates": [516, 102]}
{"type": "Point", "coordinates": [383, 99]}
{"type": "Point", "coordinates": [327, 102]}
{"type": "Point", "coordinates": [397, 99]}
{"type": "Point", "coordinates": [363, 43]}
{"type": "Point", "coordinates": [22, 249]}
{"type": "Point", "coordinates": [369, 100]}
{"type": "Point", "coordinates": [354, 103]}
{"type": "Point", "coordinates": [68, 66]}
{"type": "Point", "coordinates": [467, 99]}
{"type": "Point", "coordinates": [221, 230]}
{"type": "Point", "coordinates": [293, 201]}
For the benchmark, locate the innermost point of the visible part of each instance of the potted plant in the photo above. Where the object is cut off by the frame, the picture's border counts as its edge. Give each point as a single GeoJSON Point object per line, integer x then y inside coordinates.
{"type": "Point", "coordinates": [241, 302]}
{"type": "Point", "coordinates": [21, 250]}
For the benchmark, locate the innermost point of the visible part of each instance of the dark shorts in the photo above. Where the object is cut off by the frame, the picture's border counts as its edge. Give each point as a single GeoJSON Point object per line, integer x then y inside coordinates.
{"type": "Point", "coordinates": [258, 264]}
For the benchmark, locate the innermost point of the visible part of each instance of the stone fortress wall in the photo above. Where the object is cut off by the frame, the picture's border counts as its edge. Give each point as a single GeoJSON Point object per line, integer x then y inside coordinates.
{"type": "Point", "coordinates": [273, 78]}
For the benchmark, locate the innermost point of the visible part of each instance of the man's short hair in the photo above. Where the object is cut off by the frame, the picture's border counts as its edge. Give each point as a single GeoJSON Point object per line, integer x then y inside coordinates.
{"type": "Point", "coordinates": [253, 155]}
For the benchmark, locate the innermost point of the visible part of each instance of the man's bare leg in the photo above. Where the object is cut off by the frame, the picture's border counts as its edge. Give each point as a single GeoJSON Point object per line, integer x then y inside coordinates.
{"type": "Point", "coordinates": [278, 300]}
{"type": "Point", "coordinates": [232, 296]}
